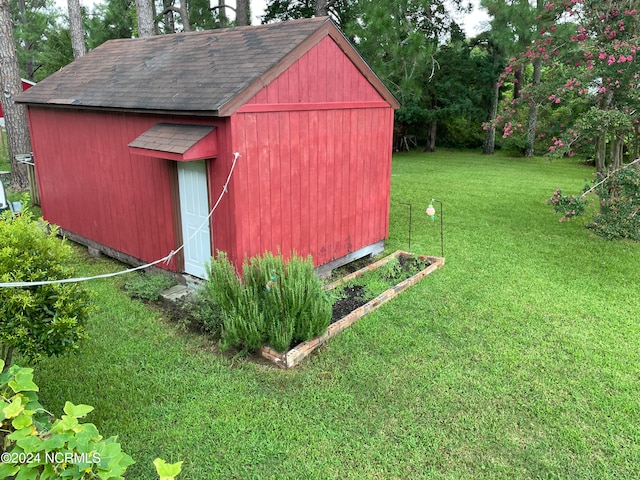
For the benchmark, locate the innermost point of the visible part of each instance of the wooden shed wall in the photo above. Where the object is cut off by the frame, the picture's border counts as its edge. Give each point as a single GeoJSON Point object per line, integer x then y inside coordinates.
{"type": "Point", "coordinates": [90, 183]}
{"type": "Point", "coordinates": [323, 75]}
{"type": "Point", "coordinates": [315, 173]}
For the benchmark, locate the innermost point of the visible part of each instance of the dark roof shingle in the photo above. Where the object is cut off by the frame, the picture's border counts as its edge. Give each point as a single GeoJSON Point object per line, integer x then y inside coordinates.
{"type": "Point", "coordinates": [182, 72]}
{"type": "Point", "coordinates": [171, 137]}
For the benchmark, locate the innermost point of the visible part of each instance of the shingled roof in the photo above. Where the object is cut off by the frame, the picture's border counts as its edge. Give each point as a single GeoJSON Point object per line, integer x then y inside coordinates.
{"type": "Point", "coordinates": [211, 72]}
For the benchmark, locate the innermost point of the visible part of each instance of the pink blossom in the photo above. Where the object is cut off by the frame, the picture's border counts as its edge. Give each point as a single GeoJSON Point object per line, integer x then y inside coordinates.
{"type": "Point", "coordinates": [611, 60]}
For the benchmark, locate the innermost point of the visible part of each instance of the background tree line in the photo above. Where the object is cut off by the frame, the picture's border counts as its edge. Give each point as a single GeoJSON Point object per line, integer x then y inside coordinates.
{"type": "Point", "coordinates": [494, 90]}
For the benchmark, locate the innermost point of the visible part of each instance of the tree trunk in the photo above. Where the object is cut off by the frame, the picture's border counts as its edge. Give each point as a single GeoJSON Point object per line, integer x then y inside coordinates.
{"type": "Point", "coordinates": [518, 80]}
{"type": "Point", "coordinates": [616, 150]}
{"type": "Point", "coordinates": [600, 153]}
{"type": "Point", "coordinates": [322, 8]}
{"type": "Point", "coordinates": [144, 12]}
{"type": "Point", "coordinates": [431, 137]}
{"type": "Point", "coordinates": [532, 121]}
{"type": "Point", "coordinates": [15, 116]}
{"type": "Point", "coordinates": [222, 13]}
{"type": "Point", "coordinates": [490, 138]}
{"type": "Point", "coordinates": [169, 18]}
{"type": "Point", "coordinates": [489, 146]}
{"type": "Point", "coordinates": [76, 29]}
{"type": "Point", "coordinates": [242, 13]}
{"type": "Point", "coordinates": [184, 15]}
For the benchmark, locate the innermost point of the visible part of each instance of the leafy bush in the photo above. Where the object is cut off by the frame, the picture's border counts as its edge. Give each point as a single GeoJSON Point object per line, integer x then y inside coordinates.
{"type": "Point", "coordinates": [619, 215]}
{"type": "Point", "coordinates": [149, 286]}
{"type": "Point", "coordinates": [619, 194]}
{"type": "Point", "coordinates": [569, 206]}
{"type": "Point", "coordinates": [198, 311]}
{"type": "Point", "coordinates": [42, 320]}
{"type": "Point", "coordinates": [274, 303]}
{"type": "Point", "coordinates": [34, 444]}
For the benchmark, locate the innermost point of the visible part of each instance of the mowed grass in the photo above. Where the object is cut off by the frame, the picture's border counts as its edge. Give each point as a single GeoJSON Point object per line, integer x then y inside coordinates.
{"type": "Point", "coordinates": [519, 359]}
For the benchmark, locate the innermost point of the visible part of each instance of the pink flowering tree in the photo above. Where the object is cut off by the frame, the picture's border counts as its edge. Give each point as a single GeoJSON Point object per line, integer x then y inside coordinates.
{"type": "Point", "coordinates": [590, 78]}
{"type": "Point", "coordinates": [589, 100]}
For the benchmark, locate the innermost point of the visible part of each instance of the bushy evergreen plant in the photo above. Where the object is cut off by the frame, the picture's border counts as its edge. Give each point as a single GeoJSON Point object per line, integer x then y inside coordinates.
{"type": "Point", "coordinates": [274, 303]}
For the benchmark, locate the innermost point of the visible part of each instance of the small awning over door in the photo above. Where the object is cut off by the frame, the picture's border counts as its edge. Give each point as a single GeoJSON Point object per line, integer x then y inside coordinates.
{"type": "Point", "coordinates": [179, 142]}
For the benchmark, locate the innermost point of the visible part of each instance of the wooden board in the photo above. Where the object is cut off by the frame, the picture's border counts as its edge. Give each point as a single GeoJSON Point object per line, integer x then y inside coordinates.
{"type": "Point", "coordinates": [294, 356]}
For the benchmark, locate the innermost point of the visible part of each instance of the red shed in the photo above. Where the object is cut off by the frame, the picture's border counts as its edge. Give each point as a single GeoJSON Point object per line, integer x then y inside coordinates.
{"type": "Point", "coordinates": [134, 142]}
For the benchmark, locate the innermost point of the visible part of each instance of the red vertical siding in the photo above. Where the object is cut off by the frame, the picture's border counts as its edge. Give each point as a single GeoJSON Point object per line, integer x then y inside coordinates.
{"type": "Point", "coordinates": [90, 183]}
{"type": "Point", "coordinates": [324, 74]}
{"type": "Point", "coordinates": [318, 175]}
{"type": "Point", "coordinates": [317, 181]}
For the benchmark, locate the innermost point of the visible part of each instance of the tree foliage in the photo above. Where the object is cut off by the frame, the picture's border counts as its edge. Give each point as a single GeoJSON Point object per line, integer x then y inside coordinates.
{"type": "Point", "coordinates": [590, 80]}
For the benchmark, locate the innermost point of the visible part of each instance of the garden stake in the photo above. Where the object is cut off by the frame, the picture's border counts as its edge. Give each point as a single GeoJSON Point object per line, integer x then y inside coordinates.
{"type": "Point", "coordinates": [410, 207]}
{"type": "Point", "coordinates": [441, 228]}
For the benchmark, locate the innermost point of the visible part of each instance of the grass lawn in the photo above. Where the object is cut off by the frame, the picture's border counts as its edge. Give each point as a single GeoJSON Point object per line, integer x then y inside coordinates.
{"type": "Point", "coordinates": [5, 166]}
{"type": "Point", "coordinates": [519, 359]}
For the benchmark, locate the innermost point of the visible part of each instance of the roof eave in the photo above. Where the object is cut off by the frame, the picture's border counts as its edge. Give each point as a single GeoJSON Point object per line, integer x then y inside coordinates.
{"type": "Point", "coordinates": [198, 113]}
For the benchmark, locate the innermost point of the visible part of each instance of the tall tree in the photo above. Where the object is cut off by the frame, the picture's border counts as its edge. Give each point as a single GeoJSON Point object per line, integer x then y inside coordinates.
{"type": "Point", "coordinates": [34, 21]}
{"type": "Point", "coordinates": [15, 115]}
{"type": "Point", "coordinates": [185, 12]}
{"type": "Point", "coordinates": [532, 118]}
{"type": "Point", "coordinates": [486, 42]}
{"type": "Point", "coordinates": [322, 8]}
{"type": "Point", "coordinates": [242, 13]}
{"type": "Point", "coordinates": [56, 52]}
{"type": "Point", "coordinates": [108, 20]}
{"type": "Point", "coordinates": [77, 30]}
{"type": "Point", "coordinates": [144, 16]}
{"type": "Point", "coordinates": [591, 84]}
{"type": "Point", "coordinates": [399, 39]}
{"type": "Point", "coordinates": [514, 27]}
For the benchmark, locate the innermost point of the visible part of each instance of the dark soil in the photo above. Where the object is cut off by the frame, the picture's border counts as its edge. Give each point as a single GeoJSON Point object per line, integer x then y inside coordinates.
{"type": "Point", "coordinates": [354, 298]}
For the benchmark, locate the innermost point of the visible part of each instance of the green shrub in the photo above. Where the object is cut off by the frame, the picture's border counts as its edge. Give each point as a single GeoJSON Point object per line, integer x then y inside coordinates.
{"type": "Point", "coordinates": [619, 215]}
{"type": "Point", "coordinates": [34, 444]}
{"type": "Point", "coordinates": [619, 195]}
{"type": "Point", "coordinates": [274, 303]}
{"type": "Point", "coordinates": [198, 311]}
{"type": "Point", "coordinates": [149, 286]}
{"type": "Point", "coordinates": [42, 320]}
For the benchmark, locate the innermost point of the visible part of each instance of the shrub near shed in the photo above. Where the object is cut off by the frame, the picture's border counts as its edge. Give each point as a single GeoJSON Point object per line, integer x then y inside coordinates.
{"type": "Point", "coordinates": [45, 320]}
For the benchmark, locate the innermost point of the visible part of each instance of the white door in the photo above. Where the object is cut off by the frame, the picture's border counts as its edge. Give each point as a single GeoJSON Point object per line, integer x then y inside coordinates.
{"type": "Point", "coordinates": [194, 209]}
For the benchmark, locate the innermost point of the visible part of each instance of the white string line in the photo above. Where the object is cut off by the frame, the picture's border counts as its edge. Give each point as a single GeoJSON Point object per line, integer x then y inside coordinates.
{"type": "Point", "coordinates": [165, 259]}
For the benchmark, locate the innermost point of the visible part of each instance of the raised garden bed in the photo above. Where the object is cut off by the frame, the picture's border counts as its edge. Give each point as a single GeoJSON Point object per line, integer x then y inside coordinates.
{"type": "Point", "coordinates": [293, 357]}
